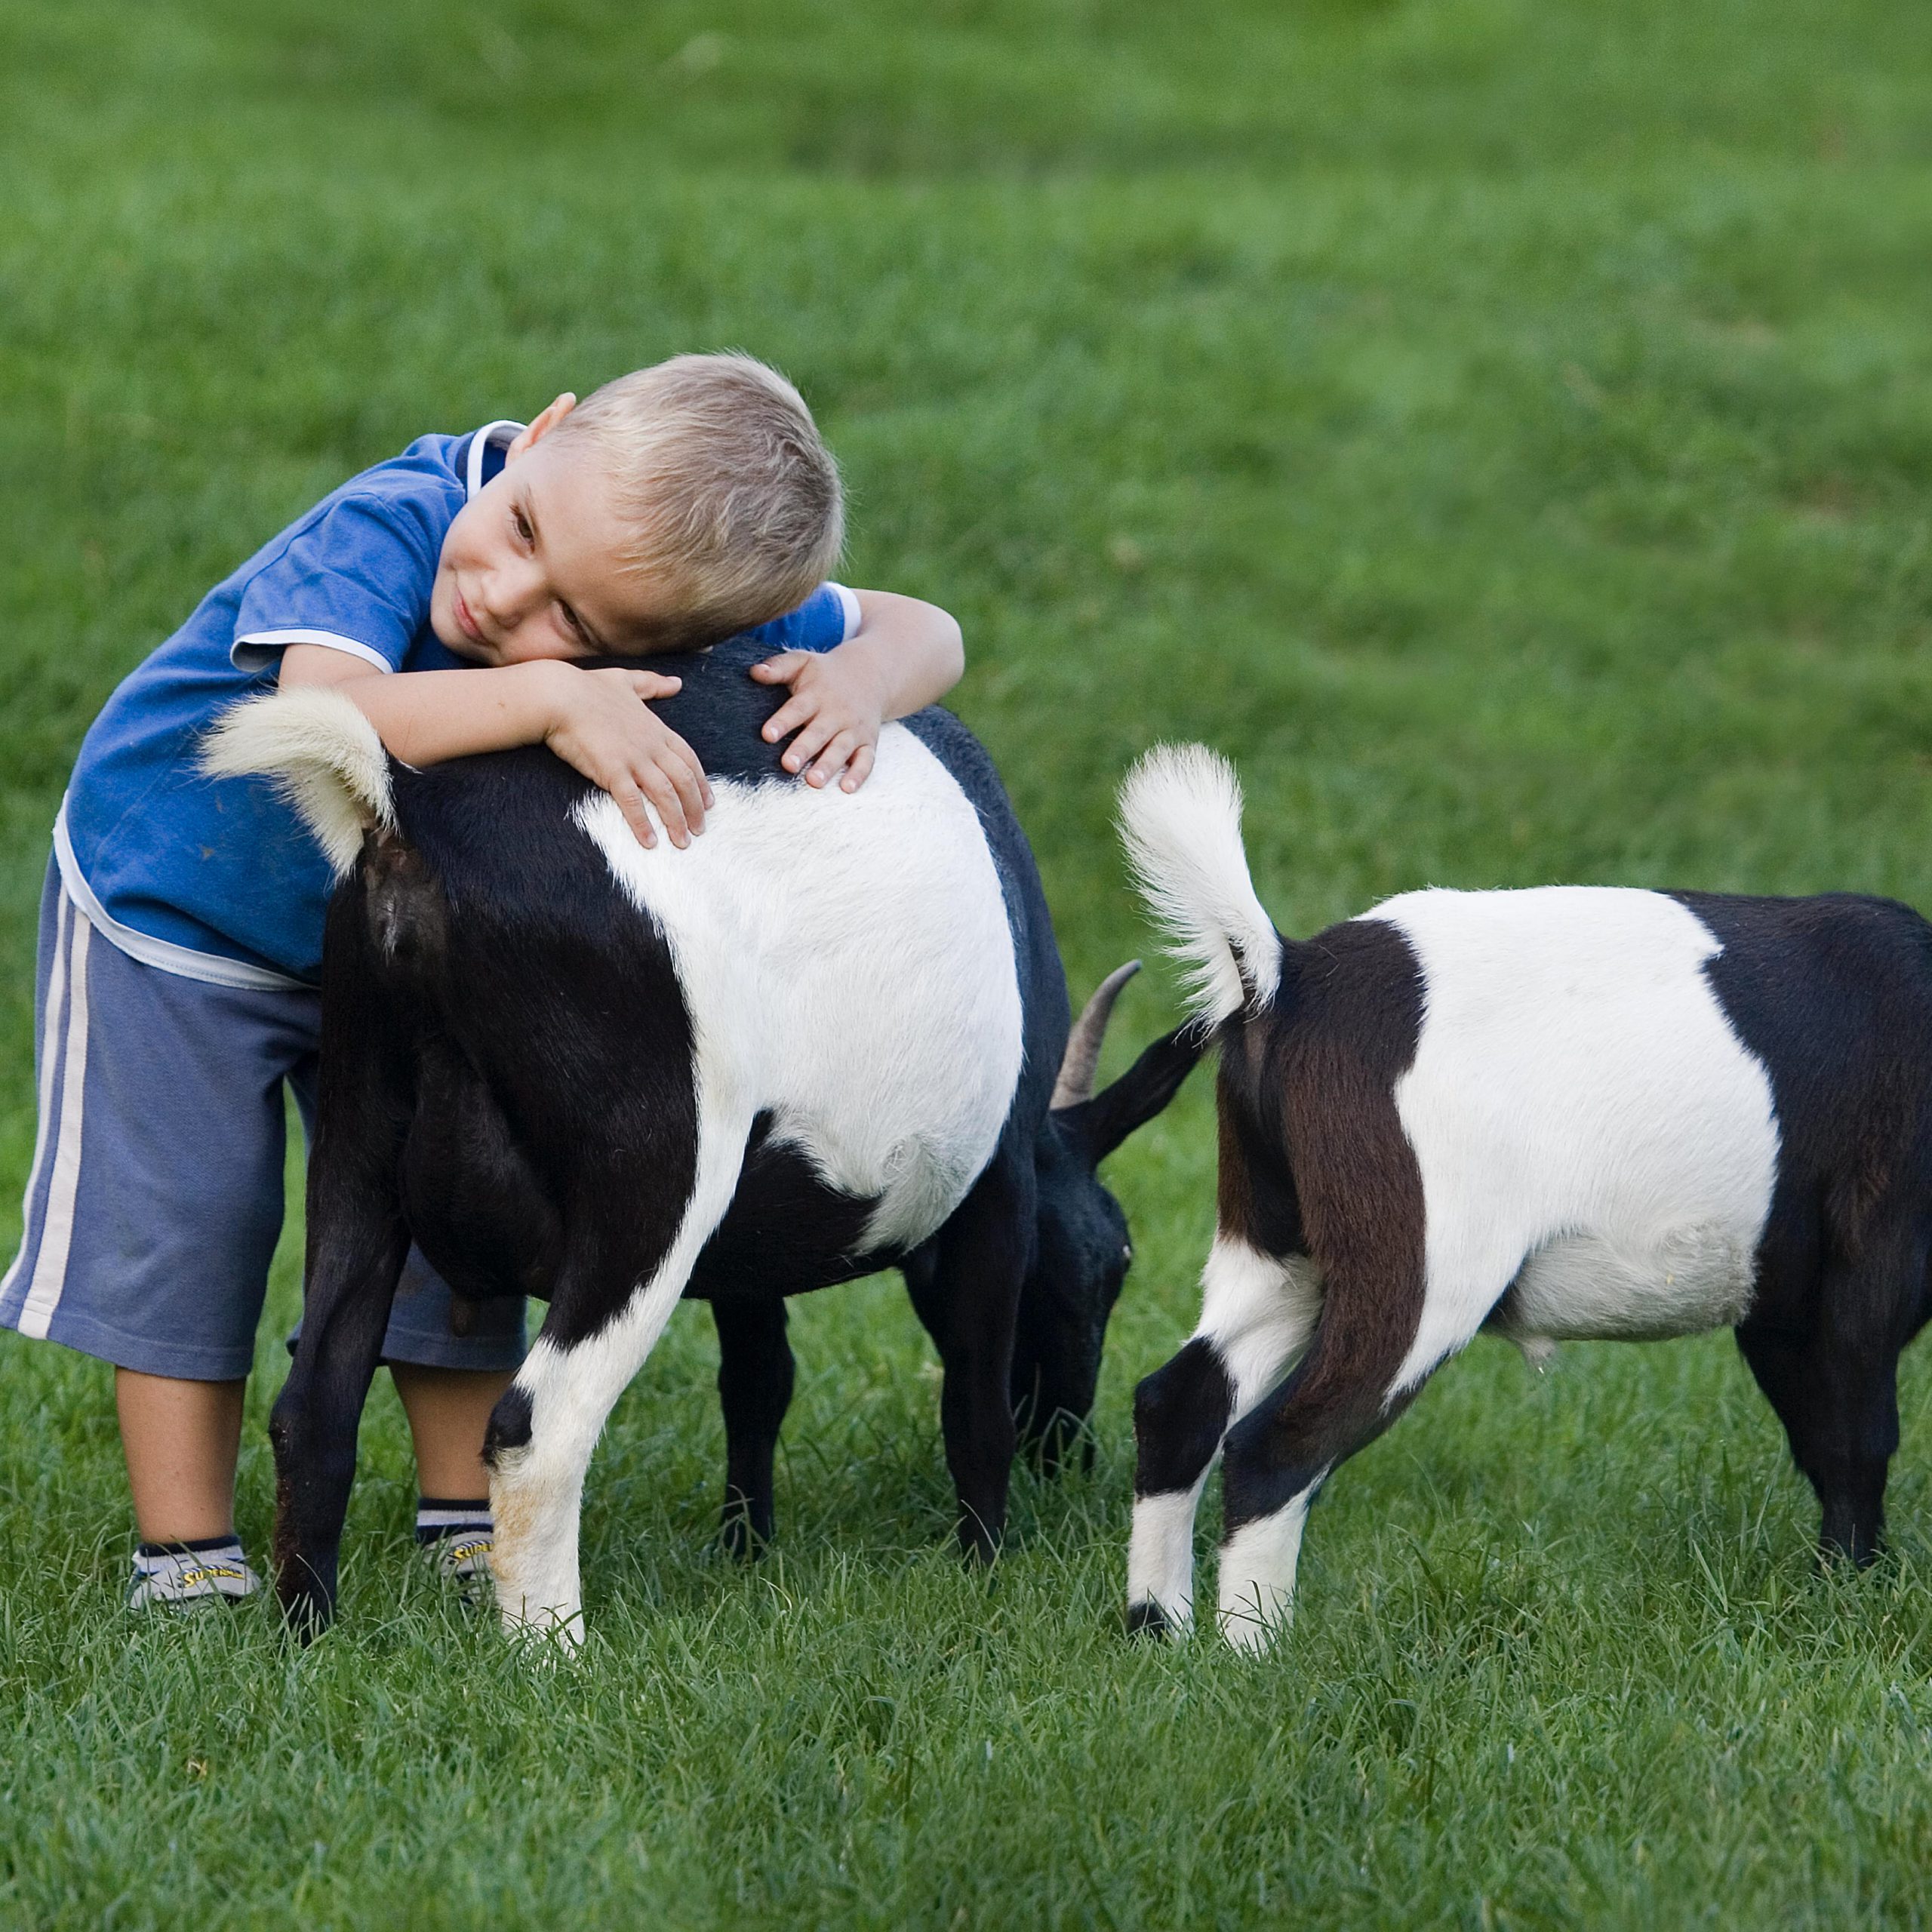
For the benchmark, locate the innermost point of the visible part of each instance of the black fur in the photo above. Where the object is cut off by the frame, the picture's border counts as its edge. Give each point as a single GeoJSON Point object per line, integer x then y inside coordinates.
{"type": "Point", "coordinates": [1180, 1413]}
{"type": "Point", "coordinates": [510, 1426]}
{"type": "Point", "coordinates": [755, 1376]}
{"type": "Point", "coordinates": [357, 1239]}
{"type": "Point", "coordinates": [787, 1232]}
{"type": "Point", "coordinates": [1834, 995]}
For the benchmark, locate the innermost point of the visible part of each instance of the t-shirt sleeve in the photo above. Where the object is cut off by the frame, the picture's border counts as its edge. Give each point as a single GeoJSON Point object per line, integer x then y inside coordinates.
{"type": "Point", "coordinates": [358, 578]}
{"type": "Point", "coordinates": [822, 622]}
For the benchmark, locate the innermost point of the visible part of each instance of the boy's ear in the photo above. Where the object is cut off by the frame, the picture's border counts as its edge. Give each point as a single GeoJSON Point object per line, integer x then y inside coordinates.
{"type": "Point", "coordinates": [541, 427]}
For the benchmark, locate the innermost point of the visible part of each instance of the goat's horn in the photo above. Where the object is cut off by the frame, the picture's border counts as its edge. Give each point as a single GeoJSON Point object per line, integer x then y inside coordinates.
{"type": "Point", "coordinates": [1075, 1083]}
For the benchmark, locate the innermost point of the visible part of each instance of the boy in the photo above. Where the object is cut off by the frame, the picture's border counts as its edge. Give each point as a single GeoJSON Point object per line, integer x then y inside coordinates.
{"type": "Point", "coordinates": [181, 920]}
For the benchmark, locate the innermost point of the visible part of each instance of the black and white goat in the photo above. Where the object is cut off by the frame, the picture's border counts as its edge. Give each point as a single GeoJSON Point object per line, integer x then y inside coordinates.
{"type": "Point", "coordinates": [821, 1040]}
{"type": "Point", "coordinates": [1572, 1112]}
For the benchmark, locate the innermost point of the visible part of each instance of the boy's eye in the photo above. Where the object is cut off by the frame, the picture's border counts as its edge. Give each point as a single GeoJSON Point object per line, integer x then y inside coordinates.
{"type": "Point", "coordinates": [574, 624]}
{"type": "Point", "coordinates": [524, 533]}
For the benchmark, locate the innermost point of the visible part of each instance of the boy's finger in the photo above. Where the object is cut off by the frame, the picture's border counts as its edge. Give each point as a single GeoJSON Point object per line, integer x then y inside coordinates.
{"type": "Point", "coordinates": [794, 711]}
{"type": "Point", "coordinates": [776, 670]}
{"type": "Point", "coordinates": [858, 771]}
{"type": "Point", "coordinates": [653, 684]}
{"type": "Point", "coordinates": [662, 793]}
{"type": "Point", "coordinates": [833, 759]}
{"type": "Point", "coordinates": [810, 742]}
{"type": "Point", "coordinates": [688, 782]}
{"type": "Point", "coordinates": [699, 788]}
{"type": "Point", "coordinates": [630, 802]}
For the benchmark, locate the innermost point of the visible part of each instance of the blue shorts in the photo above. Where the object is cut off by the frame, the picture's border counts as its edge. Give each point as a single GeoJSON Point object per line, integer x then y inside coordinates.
{"type": "Point", "coordinates": [155, 1197]}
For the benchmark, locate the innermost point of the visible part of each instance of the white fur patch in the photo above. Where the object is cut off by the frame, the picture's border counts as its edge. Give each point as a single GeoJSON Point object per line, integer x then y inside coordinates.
{"type": "Point", "coordinates": [322, 752]}
{"type": "Point", "coordinates": [1180, 822]}
{"type": "Point", "coordinates": [1586, 1123]}
{"type": "Point", "coordinates": [1258, 1312]}
{"type": "Point", "coordinates": [1160, 1553]}
{"type": "Point", "coordinates": [848, 964]}
{"type": "Point", "coordinates": [1258, 1579]}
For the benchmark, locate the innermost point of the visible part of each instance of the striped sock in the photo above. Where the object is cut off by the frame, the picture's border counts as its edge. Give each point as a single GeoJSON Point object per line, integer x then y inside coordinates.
{"type": "Point", "coordinates": [455, 1534]}
{"type": "Point", "coordinates": [201, 1570]}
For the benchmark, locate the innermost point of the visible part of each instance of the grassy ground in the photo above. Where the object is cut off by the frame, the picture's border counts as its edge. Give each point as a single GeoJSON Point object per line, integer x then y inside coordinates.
{"type": "Point", "coordinates": [1507, 430]}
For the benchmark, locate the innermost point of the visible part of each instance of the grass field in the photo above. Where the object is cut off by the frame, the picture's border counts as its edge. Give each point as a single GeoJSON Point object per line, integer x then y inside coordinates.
{"type": "Point", "coordinates": [1507, 430]}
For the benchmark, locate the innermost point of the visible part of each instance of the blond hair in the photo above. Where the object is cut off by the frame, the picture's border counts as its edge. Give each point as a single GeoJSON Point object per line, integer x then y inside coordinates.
{"type": "Point", "coordinates": [735, 501]}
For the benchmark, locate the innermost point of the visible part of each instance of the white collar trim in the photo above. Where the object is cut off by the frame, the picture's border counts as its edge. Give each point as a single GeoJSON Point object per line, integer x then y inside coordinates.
{"type": "Point", "coordinates": [501, 433]}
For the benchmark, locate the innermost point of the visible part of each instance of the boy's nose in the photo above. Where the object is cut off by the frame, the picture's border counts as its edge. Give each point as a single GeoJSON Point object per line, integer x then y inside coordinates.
{"type": "Point", "coordinates": [515, 591]}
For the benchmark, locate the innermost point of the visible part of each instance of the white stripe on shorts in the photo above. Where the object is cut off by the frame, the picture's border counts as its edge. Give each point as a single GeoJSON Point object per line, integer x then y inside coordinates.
{"type": "Point", "coordinates": [50, 1058]}
{"type": "Point", "coordinates": [56, 1234]}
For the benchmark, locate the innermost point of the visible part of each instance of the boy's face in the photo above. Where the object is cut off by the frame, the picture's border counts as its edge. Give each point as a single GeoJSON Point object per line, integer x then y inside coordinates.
{"type": "Point", "coordinates": [531, 567]}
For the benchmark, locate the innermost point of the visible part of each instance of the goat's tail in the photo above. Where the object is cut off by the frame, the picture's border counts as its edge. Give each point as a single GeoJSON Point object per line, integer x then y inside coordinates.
{"type": "Point", "coordinates": [1180, 822]}
{"type": "Point", "coordinates": [323, 753]}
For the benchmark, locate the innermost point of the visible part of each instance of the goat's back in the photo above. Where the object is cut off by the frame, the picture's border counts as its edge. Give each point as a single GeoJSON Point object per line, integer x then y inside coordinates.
{"type": "Point", "coordinates": [871, 973]}
{"type": "Point", "coordinates": [1643, 1112]}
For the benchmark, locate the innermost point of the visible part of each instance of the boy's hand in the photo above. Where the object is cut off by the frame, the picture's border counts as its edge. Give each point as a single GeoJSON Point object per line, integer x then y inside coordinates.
{"type": "Point", "coordinates": [600, 724]}
{"type": "Point", "coordinates": [837, 704]}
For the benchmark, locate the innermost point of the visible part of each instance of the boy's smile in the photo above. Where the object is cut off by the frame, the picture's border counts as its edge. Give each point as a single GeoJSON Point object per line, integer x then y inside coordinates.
{"type": "Point", "coordinates": [533, 565]}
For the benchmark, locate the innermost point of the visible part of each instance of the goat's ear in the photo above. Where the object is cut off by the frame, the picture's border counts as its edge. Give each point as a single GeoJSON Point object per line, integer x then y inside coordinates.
{"type": "Point", "coordinates": [1103, 1123]}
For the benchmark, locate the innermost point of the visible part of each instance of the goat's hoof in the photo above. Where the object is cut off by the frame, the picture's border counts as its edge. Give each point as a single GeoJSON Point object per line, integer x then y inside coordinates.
{"type": "Point", "coordinates": [306, 1614]}
{"type": "Point", "coordinates": [740, 1539]}
{"type": "Point", "coordinates": [1147, 1619]}
{"type": "Point", "coordinates": [1047, 1453]}
{"type": "Point", "coordinates": [543, 1636]}
{"type": "Point", "coordinates": [1858, 1554]}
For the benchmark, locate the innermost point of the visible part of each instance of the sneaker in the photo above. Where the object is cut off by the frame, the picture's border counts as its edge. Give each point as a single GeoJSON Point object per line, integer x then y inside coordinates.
{"type": "Point", "coordinates": [184, 1576]}
{"type": "Point", "coordinates": [463, 1557]}
{"type": "Point", "coordinates": [456, 1539]}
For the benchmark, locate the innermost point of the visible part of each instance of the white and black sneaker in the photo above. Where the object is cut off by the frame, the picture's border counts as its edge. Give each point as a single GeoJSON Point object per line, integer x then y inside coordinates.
{"type": "Point", "coordinates": [456, 1537]}
{"type": "Point", "coordinates": [186, 1576]}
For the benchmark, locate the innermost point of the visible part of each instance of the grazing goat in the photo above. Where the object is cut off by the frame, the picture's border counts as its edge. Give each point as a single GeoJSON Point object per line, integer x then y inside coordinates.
{"type": "Point", "coordinates": [1573, 1111]}
{"type": "Point", "coordinates": [822, 1041]}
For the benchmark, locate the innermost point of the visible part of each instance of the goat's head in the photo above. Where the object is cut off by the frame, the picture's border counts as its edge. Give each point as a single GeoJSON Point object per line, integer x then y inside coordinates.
{"type": "Point", "coordinates": [1082, 1250]}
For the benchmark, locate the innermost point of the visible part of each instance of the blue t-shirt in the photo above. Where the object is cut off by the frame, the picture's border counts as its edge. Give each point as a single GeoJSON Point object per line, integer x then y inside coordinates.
{"type": "Point", "coordinates": [217, 878]}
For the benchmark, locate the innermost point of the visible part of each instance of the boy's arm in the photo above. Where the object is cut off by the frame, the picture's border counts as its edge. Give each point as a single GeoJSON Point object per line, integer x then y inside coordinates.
{"type": "Point", "coordinates": [597, 721]}
{"type": "Point", "coordinates": [905, 655]}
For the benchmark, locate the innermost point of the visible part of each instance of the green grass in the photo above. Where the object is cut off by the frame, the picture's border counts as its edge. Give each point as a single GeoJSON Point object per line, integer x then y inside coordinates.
{"type": "Point", "coordinates": [1507, 430]}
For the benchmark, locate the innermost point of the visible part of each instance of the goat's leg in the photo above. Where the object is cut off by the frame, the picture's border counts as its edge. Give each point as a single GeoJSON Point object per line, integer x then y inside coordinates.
{"type": "Point", "coordinates": [610, 1303]}
{"type": "Point", "coordinates": [1835, 1389]}
{"type": "Point", "coordinates": [1379, 1337]}
{"type": "Point", "coordinates": [354, 1255]}
{"type": "Point", "coordinates": [1257, 1310]}
{"type": "Point", "coordinates": [1842, 1434]}
{"type": "Point", "coordinates": [356, 1244]}
{"type": "Point", "coordinates": [969, 1303]}
{"type": "Point", "coordinates": [755, 1376]}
